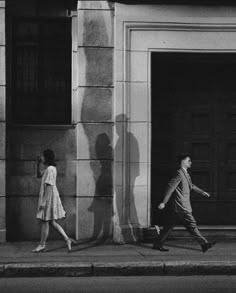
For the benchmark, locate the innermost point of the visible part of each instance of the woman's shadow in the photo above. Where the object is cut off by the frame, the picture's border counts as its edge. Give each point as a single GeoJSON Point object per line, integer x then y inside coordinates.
{"type": "Point", "coordinates": [101, 205]}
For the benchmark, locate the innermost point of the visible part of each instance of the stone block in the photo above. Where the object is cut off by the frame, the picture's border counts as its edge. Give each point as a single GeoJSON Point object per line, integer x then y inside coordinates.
{"type": "Point", "coordinates": [119, 65]}
{"type": "Point", "coordinates": [2, 177]}
{"type": "Point", "coordinates": [119, 142]}
{"type": "Point", "coordinates": [94, 141]}
{"type": "Point", "coordinates": [66, 179]}
{"type": "Point", "coordinates": [103, 5]}
{"type": "Point", "coordinates": [2, 65]}
{"type": "Point", "coordinates": [96, 104]}
{"type": "Point", "coordinates": [2, 213]}
{"type": "Point", "coordinates": [2, 4]}
{"type": "Point", "coordinates": [2, 103]}
{"type": "Point", "coordinates": [21, 168]}
{"type": "Point", "coordinates": [118, 206]}
{"type": "Point", "coordinates": [22, 178]}
{"type": "Point", "coordinates": [184, 268]}
{"type": "Point", "coordinates": [139, 174]}
{"type": "Point", "coordinates": [138, 205]}
{"type": "Point", "coordinates": [27, 143]}
{"type": "Point", "coordinates": [139, 102]}
{"type": "Point", "coordinates": [95, 28]}
{"type": "Point", "coordinates": [136, 268]}
{"type": "Point", "coordinates": [118, 100]}
{"type": "Point", "coordinates": [133, 137]}
{"type": "Point", "coordinates": [2, 26]}
{"type": "Point", "coordinates": [23, 185]}
{"type": "Point", "coordinates": [74, 31]}
{"type": "Point", "coordinates": [96, 67]}
{"type": "Point", "coordinates": [20, 218]}
{"type": "Point", "coordinates": [137, 135]}
{"type": "Point", "coordinates": [2, 235]}
{"type": "Point", "coordinates": [52, 269]}
{"type": "Point", "coordinates": [94, 218]}
{"type": "Point", "coordinates": [138, 67]}
{"type": "Point", "coordinates": [22, 224]}
{"type": "Point", "coordinates": [119, 173]}
{"type": "Point", "coordinates": [2, 140]}
{"type": "Point", "coordinates": [75, 73]}
{"type": "Point", "coordinates": [87, 175]}
{"type": "Point", "coordinates": [76, 106]}
{"type": "Point", "coordinates": [94, 178]}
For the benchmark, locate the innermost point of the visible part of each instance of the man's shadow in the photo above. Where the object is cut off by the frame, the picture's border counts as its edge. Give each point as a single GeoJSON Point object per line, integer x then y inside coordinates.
{"type": "Point", "coordinates": [127, 153]}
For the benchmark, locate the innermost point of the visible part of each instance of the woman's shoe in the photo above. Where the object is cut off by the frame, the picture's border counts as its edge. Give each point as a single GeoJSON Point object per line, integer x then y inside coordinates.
{"type": "Point", "coordinates": [69, 242]}
{"type": "Point", "coordinates": [39, 248]}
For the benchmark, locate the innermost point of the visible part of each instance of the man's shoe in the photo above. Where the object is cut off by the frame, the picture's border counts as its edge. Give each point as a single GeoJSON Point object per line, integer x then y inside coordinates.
{"type": "Point", "coordinates": [207, 246]}
{"type": "Point", "coordinates": [159, 247]}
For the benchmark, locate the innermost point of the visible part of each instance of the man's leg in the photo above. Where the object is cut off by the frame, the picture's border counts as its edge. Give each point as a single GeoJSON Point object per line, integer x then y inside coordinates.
{"type": "Point", "coordinates": [159, 241]}
{"type": "Point", "coordinates": [190, 224]}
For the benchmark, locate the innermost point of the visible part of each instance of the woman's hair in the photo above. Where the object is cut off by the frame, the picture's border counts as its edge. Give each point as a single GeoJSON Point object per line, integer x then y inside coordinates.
{"type": "Point", "coordinates": [49, 157]}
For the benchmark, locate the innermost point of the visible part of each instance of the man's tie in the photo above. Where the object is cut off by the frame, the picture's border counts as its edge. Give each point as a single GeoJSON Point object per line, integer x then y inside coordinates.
{"type": "Point", "coordinates": [189, 178]}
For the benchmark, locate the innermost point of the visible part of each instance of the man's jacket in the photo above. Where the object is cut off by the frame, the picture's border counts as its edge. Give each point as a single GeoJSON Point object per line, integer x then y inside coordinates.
{"type": "Point", "coordinates": [179, 187]}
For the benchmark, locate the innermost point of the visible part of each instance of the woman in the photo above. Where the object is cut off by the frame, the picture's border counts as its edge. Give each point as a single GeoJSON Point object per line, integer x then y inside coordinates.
{"type": "Point", "coordinates": [50, 208]}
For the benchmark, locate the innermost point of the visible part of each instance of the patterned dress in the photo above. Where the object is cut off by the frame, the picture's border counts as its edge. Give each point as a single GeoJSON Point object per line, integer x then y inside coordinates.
{"type": "Point", "coordinates": [49, 197]}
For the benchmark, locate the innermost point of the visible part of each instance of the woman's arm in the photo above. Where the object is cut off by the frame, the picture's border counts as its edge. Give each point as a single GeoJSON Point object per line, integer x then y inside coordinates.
{"type": "Point", "coordinates": [39, 170]}
{"type": "Point", "coordinates": [48, 189]}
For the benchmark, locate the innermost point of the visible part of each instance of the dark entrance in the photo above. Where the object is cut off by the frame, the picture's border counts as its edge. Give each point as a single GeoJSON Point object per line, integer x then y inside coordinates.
{"type": "Point", "coordinates": [194, 111]}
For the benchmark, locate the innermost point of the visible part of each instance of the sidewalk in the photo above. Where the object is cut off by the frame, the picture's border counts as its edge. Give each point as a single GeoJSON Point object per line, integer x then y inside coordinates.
{"type": "Point", "coordinates": [93, 259]}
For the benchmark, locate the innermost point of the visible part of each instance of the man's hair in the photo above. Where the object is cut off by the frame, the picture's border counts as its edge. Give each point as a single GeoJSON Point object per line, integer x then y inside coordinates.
{"type": "Point", "coordinates": [182, 157]}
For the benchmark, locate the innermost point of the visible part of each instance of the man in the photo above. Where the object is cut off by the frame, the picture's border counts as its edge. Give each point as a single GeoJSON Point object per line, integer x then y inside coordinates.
{"type": "Point", "coordinates": [179, 188]}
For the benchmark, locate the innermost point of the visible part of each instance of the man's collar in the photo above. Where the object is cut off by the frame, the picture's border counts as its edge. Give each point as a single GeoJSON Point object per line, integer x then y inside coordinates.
{"type": "Point", "coordinates": [185, 170]}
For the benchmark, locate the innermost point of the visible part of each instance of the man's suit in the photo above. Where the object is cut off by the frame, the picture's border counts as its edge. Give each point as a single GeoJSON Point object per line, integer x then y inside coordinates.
{"type": "Point", "coordinates": [179, 188]}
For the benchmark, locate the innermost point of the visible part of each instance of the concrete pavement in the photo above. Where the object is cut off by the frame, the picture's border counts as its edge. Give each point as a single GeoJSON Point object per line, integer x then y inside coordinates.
{"type": "Point", "coordinates": [96, 259]}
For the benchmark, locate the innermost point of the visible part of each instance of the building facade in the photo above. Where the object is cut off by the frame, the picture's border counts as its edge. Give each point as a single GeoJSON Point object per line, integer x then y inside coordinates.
{"type": "Point", "coordinates": [117, 89]}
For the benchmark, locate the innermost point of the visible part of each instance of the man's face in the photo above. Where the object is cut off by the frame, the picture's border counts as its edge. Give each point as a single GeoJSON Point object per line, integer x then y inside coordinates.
{"type": "Point", "coordinates": [186, 163]}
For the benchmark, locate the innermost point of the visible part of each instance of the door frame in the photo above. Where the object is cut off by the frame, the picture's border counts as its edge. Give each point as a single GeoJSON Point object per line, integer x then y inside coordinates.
{"type": "Point", "coordinates": [134, 43]}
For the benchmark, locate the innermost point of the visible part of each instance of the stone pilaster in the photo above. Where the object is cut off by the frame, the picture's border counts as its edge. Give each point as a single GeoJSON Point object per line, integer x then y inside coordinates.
{"type": "Point", "coordinates": [2, 125]}
{"type": "Point", "coordinates": [93, 97]}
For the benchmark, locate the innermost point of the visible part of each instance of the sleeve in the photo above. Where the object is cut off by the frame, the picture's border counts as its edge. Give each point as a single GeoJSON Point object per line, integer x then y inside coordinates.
{"type": "Point", "coordinates": [197, 190]}
{"type": "Point", "coordinates": [49, 179]}
{"type": "Point", "coordinates": [173, 183]}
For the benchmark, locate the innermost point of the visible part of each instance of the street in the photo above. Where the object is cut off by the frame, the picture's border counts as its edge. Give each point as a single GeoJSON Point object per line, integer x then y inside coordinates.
{"type": "Point", "coordinates": [164, 284]}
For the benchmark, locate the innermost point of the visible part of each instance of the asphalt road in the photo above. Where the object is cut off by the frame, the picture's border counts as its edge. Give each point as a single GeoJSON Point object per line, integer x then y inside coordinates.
{"type": "Point", "coordinates": [189, 284]}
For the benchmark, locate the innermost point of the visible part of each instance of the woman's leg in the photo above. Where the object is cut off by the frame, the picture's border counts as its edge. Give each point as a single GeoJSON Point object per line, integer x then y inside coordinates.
{"type": "Point", "coordinates": [44, 236]}
{"type": "Point", "coordinates": [59, 229]}
{"type": "Point", "coordinates": [44, 232]}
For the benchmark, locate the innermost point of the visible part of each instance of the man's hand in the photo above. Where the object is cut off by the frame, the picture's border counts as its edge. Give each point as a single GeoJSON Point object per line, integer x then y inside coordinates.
{"type": "Point", "coordinates": [161, 206]}
{"type": "Point", "coordinates": [207, 194]}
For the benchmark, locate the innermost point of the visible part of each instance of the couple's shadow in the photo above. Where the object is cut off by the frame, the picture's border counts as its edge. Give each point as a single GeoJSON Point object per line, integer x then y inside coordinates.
{"type": "Point", "coordinates": [80, 245]}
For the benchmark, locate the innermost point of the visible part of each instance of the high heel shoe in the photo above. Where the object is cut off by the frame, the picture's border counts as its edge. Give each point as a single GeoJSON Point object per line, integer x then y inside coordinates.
{"type": "Point", "coordinates": [69, 242]}
{"type": "Point", "coordinates": [39, 248]}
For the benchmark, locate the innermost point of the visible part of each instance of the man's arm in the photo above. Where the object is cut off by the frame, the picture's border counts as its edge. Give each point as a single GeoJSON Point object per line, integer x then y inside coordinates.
{"type": "Point", "coordinates": [200, 191]}
{"type": "Point", "coordinates": [171, 186]}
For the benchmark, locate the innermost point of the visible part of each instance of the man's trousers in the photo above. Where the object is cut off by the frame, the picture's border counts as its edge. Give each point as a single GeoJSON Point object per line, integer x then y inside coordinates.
{"type": "Point", "coordinates": [188, 221]}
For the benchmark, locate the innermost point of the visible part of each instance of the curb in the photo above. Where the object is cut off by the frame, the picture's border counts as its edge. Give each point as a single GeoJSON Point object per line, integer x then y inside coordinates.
{"type": "Point", "coordinates": [154, 268]}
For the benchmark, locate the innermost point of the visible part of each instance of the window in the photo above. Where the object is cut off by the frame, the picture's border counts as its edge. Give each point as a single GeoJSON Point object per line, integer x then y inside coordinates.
{"type": "Point", "coordinates": [41, 71]}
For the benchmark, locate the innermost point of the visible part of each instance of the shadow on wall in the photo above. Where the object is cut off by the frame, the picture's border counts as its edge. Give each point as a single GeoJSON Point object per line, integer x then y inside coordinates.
{"type": "Point", "coordinates": [125, 198]}
{"type": "Point", "coordinates": [96, 121]}
{"type": "Point", "coordinates": [102, 201]}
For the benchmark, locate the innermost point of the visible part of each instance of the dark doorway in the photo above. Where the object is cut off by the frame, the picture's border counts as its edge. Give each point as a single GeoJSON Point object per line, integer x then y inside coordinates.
{"type": "Point", "coordinates": [194, 111]}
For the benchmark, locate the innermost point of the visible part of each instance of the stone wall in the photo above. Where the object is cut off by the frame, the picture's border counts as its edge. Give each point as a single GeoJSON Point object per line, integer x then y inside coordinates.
{"type": "Point", "coordinates": [2, 124]}
{"type": "Point", "coordinates": [25, 142]}
{"type": "Point", "coordinates": [94, 94]}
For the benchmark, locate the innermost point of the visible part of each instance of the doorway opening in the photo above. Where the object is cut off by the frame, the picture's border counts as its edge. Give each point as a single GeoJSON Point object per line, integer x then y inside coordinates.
{"type": "Point", "coordinates": [194, 111]}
